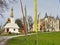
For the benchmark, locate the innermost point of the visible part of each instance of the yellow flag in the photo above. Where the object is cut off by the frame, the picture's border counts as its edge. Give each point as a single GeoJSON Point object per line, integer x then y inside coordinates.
{"type": "Point", "coordinates": [35, 16]}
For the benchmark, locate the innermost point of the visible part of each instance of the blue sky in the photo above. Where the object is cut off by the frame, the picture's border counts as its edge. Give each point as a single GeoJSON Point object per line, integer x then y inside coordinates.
{"type": "Point", "coordinates": [52, 7]}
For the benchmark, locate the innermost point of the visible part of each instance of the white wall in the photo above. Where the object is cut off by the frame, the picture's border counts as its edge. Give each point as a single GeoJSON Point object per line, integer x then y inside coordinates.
{"type": "Point", "coordinates": [57, 25]}
{"type": "Point", "coordinates": [13, 31]}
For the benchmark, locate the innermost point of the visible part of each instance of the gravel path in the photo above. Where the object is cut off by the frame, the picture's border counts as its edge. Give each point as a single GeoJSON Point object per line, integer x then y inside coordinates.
{"type": "Point", "coordinates": [3, 39]}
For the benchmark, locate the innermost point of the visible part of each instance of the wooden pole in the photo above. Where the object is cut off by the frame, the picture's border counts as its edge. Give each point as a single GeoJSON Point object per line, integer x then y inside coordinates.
{"type": "Point", "coordinates": [24, 21]}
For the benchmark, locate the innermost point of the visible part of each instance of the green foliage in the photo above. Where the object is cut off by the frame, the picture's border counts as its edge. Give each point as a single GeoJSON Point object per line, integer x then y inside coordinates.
{"type": "Point", "coordinates": [45, 38]}
{"type": "Point", "coordinates": [19, 23]}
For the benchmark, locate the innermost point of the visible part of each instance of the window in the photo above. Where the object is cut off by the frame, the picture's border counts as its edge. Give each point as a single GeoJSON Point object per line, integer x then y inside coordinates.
{"type": "Point", "coordinates": [14, 29]}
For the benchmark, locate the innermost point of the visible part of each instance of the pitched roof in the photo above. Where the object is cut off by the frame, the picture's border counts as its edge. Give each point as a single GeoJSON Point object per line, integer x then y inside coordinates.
{"type": "Point", "coordinates": [11, 25]}
{"type": "Point", "coordinates": [46, 16]}
{"type": "Point", "coordinates": [57, 18]}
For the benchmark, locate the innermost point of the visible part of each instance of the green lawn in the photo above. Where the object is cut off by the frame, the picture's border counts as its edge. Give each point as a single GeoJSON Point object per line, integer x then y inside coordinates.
{"type": "Point", "coordinates": [43, 39]}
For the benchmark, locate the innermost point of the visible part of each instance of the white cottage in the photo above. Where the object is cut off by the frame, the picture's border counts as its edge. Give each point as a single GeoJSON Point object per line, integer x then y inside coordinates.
{"type": "Point", "coordinates": [11, 26]}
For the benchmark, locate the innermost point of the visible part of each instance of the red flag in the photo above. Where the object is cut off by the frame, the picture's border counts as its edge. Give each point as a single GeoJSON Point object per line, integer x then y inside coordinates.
{"type": "Point", "coordinates": [23, 18]}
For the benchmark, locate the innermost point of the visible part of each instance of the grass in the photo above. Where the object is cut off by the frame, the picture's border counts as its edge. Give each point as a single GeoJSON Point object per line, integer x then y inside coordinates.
{"type": "Point", "coordinates": [9, 34]}
{"type": "Point", "coordinates": [52, 38]}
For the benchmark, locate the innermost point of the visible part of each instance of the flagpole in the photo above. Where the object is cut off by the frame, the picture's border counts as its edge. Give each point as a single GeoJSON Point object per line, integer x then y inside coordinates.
{"type": "Point", "coordinates": [39, 22]}
{"type": "Point", "coordinates": [35, 16]}
{"type": "Point", "coordinates": [26, 19]}
{"type": "Point", "coordinates": [35, 21]}
{"type": "Point", "coordinates": [23, 18]}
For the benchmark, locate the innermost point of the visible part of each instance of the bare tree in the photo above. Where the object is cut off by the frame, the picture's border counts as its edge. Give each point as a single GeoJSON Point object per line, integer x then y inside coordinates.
{"type": "Point", "coordinates": [30, 21]}
{"type": "Point", "coordinates": [4, 5]}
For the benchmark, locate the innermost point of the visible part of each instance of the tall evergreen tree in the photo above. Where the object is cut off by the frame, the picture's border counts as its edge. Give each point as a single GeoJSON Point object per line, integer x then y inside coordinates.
{"type": "Point", "coordinates": [19, 23]}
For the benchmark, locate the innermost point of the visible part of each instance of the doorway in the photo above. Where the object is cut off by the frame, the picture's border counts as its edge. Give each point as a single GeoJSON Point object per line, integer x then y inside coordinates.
{"type": "Point", "coordinates": [7, 29]}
